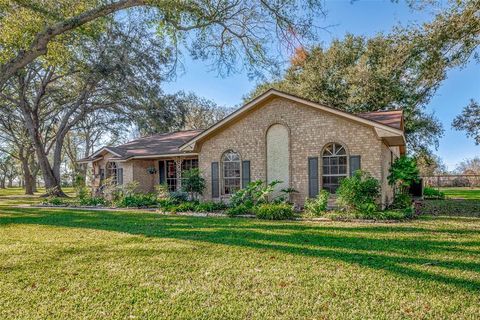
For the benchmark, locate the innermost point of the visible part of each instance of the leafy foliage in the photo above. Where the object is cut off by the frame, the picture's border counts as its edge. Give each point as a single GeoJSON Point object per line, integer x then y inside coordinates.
{"type": "Point", "coordinates": [360, 74]}
{"type": "Point", "coordinates": [469, 121]}
{"type": "Point", "coordinates": [318, 205]}
{"type": "Point", "coordinates": [401, 201]}
{"type": "Point", "coordinates": [359, 192]}
{"type": "Point", "coordinates": [210, 206]}
{"type": "Point", "coordinates": [55, 201]}
{"type": "Point", "coordinates": [256, 192]}
{"type": "Point", "coordinates": [432, 193]}
{"type": "Point", "coordinates": [229, 33]}
{"type": "Point", "coordinates": [162, 191]}
{"type": "Point", "coordinates": [137, 200]}
{"type": "Point", "coordinates": [403, 172]}
{"type": "Point", "coordinates": [193, 182]}
{"type": "Point", "coordinates": [89, 201]}
{"type": "Point", "coordinates": [239, 209]}
{"type": "Point", "coordinates": [178, 197]}
{"type": "Point", "coordinates": [178, 111]}
{"type": "Point", "coordinates": [274, 211]}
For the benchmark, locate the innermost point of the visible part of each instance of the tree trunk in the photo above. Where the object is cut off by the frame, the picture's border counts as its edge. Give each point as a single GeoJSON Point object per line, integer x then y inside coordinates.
{"type": "Point", "coordinates": [10, 183]}
{"type": "Point", "coordinates": [52, 181]}
{"type": "Point", "coordinates": [2, 183]}
{"type": "Point", "coordinates": [28, 179]}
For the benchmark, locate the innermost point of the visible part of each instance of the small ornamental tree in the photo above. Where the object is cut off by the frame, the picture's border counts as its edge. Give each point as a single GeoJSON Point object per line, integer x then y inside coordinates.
{"type": "Point", "coordinates": [193, 182]}
{"type": "Point", "coordinates": [403, 173]}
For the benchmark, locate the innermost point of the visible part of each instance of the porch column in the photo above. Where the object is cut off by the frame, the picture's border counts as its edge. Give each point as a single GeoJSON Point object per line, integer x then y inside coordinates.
{"type": "Point", "coordinates": [178, 164]}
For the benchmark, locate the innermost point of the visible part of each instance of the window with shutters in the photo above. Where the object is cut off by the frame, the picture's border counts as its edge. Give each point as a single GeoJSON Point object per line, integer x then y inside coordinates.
{"type": "Point", "coordinates": [231, 173]}
{"type": "Point", "coordinates": [112, 173]}
{"type": "Point", "coordinates": [334, 166]}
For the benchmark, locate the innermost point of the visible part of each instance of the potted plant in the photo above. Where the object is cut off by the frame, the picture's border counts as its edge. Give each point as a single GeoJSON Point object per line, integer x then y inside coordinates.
{"type": "Point", "coordinates": [151, 170]}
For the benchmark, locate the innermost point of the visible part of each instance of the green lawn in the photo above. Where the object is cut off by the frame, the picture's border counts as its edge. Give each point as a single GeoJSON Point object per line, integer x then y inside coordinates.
{"type": "Point", "coordinates": [17, 196]}
{"type": "Point", "coordinates": [462, 193]}
{"type": "Point", "coordinates": [57, 263]}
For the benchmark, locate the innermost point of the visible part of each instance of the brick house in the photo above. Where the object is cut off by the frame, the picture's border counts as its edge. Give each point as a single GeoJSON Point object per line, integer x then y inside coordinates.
{"type": "Point", "coordinates": [276, 136]}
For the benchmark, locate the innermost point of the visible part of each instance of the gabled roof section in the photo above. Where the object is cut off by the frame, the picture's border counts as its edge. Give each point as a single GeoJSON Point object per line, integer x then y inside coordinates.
{"type": "Point", "coordinates": [155, 145]}
{"type": "Point", "coordinates": [388, 125]}
{"type": "Point", "coordinates": [392, 118]}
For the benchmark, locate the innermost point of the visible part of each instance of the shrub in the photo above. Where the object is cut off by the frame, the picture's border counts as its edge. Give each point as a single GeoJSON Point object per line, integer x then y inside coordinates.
{"type": "Point", "coordinates": [82, 192]}
{"type": "Point", "coordinates": [431, 193]}
{"type": "Point", "coordinates": [359, 192]}
{"type": "Point", "coordinates": [403, 172]}
{"type": "Point", "coordinates": [401, 201]}
{"type": "Point", "coordinates": [210, 206]}
{"type": "Point", "coordinates": [318, 205]}
{"type": "Point", "coordinates": [92, 201]}
{"type": "Point", "coordinates": [178, 197]}
{"type": "Point", "coordinates": [55, 201]}
{"type": "Point", "coordinates": [240, 209]}
{"type": "Point", "coordinates": [256, 192]}
{"type": "Point", "coordinates": [137, 200]}
{"type": "Point", "coordinates": [271, 211]}
{"type": "Point", "coordinates": [184, 207]}
{"type": "Point", "coordinates": [162, 191]}
{"type": "Point", "coordinates": [193, 182]}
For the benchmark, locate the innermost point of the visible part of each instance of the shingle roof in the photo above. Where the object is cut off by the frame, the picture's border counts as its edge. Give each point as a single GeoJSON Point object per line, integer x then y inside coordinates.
{"type": "Point", "coordinates": [163, 143]}
{"type": "Point", "coordinates": [392, 119]}
{"type": "Point", "coordinates": [152, 145]}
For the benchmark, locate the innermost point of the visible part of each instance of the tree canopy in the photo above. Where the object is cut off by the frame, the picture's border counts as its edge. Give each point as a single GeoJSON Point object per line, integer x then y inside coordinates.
{"type": "Point", "coordinates": [222, 31]}
{"type": "Point", "coordinates": [399, 70]}
{"type": "Point", "coordinates": [469, 121]}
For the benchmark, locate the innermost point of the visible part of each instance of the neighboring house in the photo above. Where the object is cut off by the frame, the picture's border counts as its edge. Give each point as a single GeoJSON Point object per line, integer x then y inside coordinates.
{"type": "Point", "coordinates": [277, 136]}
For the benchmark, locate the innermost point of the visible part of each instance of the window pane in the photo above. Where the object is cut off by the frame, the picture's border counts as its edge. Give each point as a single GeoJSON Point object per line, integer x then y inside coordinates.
{"type": "Point", "coordinates": [231, 172]}
{"type": "Point", "coordinates": [334, 166]}
{"type": "Point", "coordinates": [339, 150]}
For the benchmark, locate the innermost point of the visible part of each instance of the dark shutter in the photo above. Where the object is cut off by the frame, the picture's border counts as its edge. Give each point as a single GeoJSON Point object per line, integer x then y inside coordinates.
{"type": "Point", "coordinates": [215, 184]}
{"type": "Point", "coordinates": [120, 176]}
{"type": "Point", "coordinates": [312, 177]}
{"type": "Point", "coordinates": [245, 173]}
{"type": "Point", "coordinates": [161, 171]}
{"type": "Point", "coordinates": [355, 164]}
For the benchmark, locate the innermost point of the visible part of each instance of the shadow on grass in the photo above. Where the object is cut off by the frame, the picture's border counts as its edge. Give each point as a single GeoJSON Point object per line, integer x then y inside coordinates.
{"type": "Point", "coordinates": [373, 246]}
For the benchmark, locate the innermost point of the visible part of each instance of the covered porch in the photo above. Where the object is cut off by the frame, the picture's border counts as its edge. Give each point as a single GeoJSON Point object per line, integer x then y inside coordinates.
{"type": "Point", "coordinates": [147, 172]}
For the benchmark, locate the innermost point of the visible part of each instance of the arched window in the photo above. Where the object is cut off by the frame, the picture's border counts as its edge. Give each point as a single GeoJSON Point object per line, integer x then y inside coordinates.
{"type": "Point", "coordinates": [334, 163]}
{"type": "Point", "coordinates": [231, 172]}
{"type": "Point", "coordinates": [114, 172]}
{"type": "Point", "coordinates": [111, 169]}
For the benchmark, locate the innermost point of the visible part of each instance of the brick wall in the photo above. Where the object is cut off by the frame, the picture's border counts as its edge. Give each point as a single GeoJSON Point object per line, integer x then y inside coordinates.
{"type": "Point", "coordinates": [310, 130]}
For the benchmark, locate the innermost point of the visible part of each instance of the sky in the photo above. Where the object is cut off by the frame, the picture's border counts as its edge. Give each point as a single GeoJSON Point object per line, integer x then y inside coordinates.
{"type": "Point", "coordinates": [367, 18]}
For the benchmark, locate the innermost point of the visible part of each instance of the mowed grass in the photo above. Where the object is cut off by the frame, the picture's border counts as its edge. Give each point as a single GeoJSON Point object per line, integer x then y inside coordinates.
{"type": "Point", "coordinates": [60, 263]}
{"type": "Point", "coordinates": [17, 196]}
{"type": "Point", "coordinates": [462, 193]}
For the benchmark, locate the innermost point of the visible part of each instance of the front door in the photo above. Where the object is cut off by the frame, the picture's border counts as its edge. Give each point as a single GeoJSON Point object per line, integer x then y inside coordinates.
{"type": "Point", "coordinates": [168, 174]}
